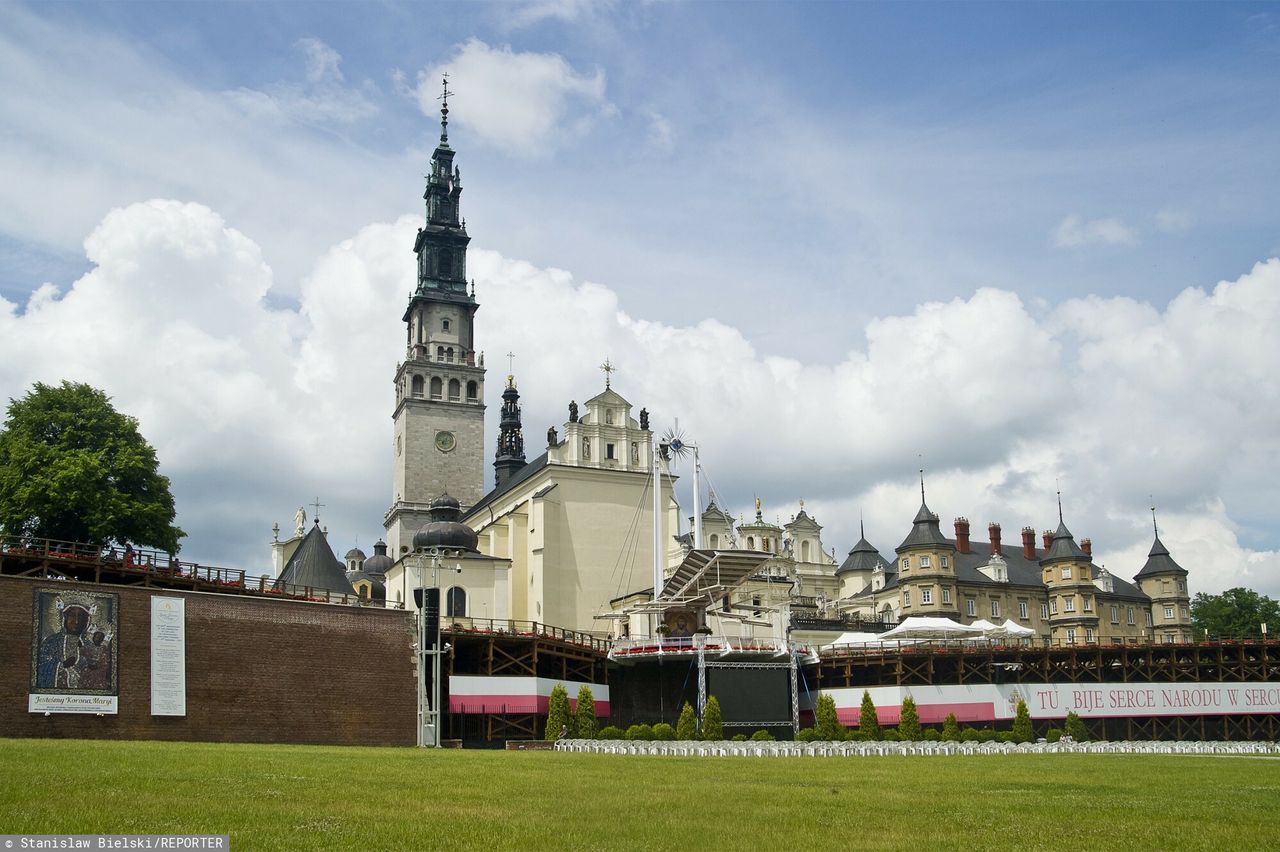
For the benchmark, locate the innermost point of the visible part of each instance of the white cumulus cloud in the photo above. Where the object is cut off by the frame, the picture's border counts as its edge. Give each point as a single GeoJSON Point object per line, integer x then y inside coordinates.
{"type": "Point", "coordinates": [1074, 232]}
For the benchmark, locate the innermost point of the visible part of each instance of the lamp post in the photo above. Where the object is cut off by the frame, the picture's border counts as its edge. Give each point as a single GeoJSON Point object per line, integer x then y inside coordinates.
{"type": "Point", "coordinates": [429, 715]}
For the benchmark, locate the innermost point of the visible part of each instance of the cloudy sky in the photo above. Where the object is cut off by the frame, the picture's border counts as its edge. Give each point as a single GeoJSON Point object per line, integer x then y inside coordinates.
{"type": "Point", "coordinates": [1027, 247]}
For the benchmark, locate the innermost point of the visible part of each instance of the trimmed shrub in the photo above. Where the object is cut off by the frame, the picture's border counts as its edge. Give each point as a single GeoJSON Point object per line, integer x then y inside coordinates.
{"type": "Point", "coordinates": [610, 732]}
{"type": "Point", "coordinates": [857, 736]}
{"type": "Point", "coordinates": [762, 737]}
{"type": "Point", "coordinates": [1053, 735]}
{"type": "Point", "coordinates": [558, 717]}
{"type": "Point", "coordinates": [663, 731]}
{"type": "Point", "coordinates": [585, 724]}
{"type": "Point", "coordinates": [687, 725]}
{"type": "Point", "coordinates": [807, 735]}
{"type": "Point", "coordinates": [932, 735]}
{"type": "Point", "coordinates": [1076, 729]}
{"type": "Point", "coordinates": [739, 738]}
{"type": "Point", "coordinates": [1006, 737]}
{"type": "Point", "coordinates": [970, 735]}
{"type": "Point", "coordinates": [986, 735]}
{"type": "Point", "coordinates": [640, 732]}
{"type": "Point", "coordinates": [1022, 730]}
{"type": "Point", "coordinates": [909, 721]}
{"type": "Point", "coordinates": [712, 721]}
{"type": "Point", "coordinates": [868, 722]}
{"type": "Point", "coordinates": [951, 729]}
{"type": "Point", "coordinates": [826, 723]}
{"type": "Point", "coordinates": [890, 735]}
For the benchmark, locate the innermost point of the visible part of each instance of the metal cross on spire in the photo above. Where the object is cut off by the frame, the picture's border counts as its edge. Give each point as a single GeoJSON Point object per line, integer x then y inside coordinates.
{"type": "Point", "coordinates": [317, 506]}
{"type": "Point", "coordinates": [444, 109]}
{"type": "Point", "coordinates": [608, 369]}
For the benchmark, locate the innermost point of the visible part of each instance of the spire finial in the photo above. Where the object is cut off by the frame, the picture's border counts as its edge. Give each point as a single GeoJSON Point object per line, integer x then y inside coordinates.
{"type": "Point", "coordinates": [922, 485]}
{"type": "Point", "coordinates": [317, 505]}
{"type": "Point", "coordinates": [608, 369]}
{"type": "Point", "coordinates": [862, 528]}
{"type": "Point", "coordinates": [444, 109]}
{"type": "Point", "coordinates": [1060, 505]}
{"type": "Point", "coordinates": [1154, 525]}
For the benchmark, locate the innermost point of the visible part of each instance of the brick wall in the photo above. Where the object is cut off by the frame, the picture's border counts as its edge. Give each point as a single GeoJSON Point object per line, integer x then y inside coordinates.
{"type": "Point", "coordinates": [257, 671]}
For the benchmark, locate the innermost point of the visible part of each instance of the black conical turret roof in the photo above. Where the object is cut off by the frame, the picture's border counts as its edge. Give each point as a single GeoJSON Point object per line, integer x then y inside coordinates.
{"type": "Point", "coordinates": [1064, 547]}
{"type": "Point", "coordinates": [925, 531]}
{"type": "Point", "coordinates": [1160, 562]}
{"type": "Point", "coordinates": [863, 557]}
{"type": "Point", "coordinates": [313, 565]}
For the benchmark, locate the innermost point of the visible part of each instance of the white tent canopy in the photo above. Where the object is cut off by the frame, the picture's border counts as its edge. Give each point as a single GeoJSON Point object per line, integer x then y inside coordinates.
{"type": "Point", "coordinates": [924, 627]}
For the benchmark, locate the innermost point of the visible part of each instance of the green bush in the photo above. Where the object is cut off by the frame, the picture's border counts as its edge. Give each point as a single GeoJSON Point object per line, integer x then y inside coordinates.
{"type": "Point", "coordinates": [890, 735]}
{"type": "Point", "coordinates": [932, 735]}
{"type": "Point", "coordinates": [739, 738]}
{"type": "Point", "coordinates": [951, 729]}
{"type": "Point", "coordinates": [1076, 729]}
{"type": "Point", "coordinates": [585, 724]}
{"type": "Point", "coordinates": [558, 717]}
{"type": "Point", "coordinates": [806, 735]}
{"type": "Point", "coordinates": [868, 722]}
{"type": "Point", "coordinates": [712, 721]}
{"type": "Point", "coordinates": [857, 736]}
{"type": "Point", "coordinates": [640, 732]}
{"type": "Point", "coordinates": [1053, 735]}
{"type": "Point", "coordinates": [986, 735]}
{"type": "Point", "coordinates": [762, 737]}
{"type": "Point", "coordinates": [687, 725]}
{"type": "Point", "coordinates": [1022, 730]}
{"type": "Point", "coordinates": [1006, 737]}
{"type": "Point", "coordinates": [970, 735]}
{"type": "Point", "coordinates": [610, 732]}
{"type": "Point", "coordinates": [909, 721]}
{"type": "Point", "coordinates": [663, 731]}
{"type": "Point", "coordinates": [826, 723]}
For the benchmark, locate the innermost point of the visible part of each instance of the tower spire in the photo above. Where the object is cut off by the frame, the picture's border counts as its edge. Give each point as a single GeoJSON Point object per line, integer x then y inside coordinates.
{"type": "Point", "coordinates": [444, 110]}
{"type": "Point", "coordinates": [1060, 506]}
{"type": "Point", "coordinates": [922, 500]}
{"type": "Point", "coordinates": [510, 455]}
{"type": "Point", "coordinates": [1154, 525]}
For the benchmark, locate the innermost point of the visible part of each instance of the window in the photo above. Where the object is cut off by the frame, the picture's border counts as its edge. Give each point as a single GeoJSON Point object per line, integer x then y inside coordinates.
{"type": "Point", "coordinates": [926, 596]}
{"type": "Point", "coordinates": [1071, 636]}
{"type": "Point", "coordinates": [764, 544]}
{"type": "Point", "coordinates": [971, 606]}
{"type": "Point", "coordinates": [751, 543]}
{"type": "Point", "coordinates": [448, 354]}
{"type": "Point", "coordinates": [445, 257]}
{"type": "Point", "coordinates": [471, 391]}
{"type": "Point", "coordinates": [906, 597]}
{"type": "Point", "coordinates": [1053, 606]}
{"type": "Point", "coordinates": [439, 353]}
{"type": "Point", "coordinates": [437, 387]}
{"type": "Point", "coordinates": [1069, 604]}
{"type": "Point", "coordinates": [1129, 612]}
{"type": "Point", "coordinates": [455, 389]}
{"type": "Point", "coordinates": [946, 594]}
{"type": "Point", "coordinates": [946, 563]}
{"type": "Point", "coordinates": [608, 451]}
{"type": "Point", "coordinates": [1148, 614]}
{"type": "Point", "coordinates": [924, 562]}
{"type": "Point", "coordinates": [1088, 635]}
{"type": "Point", "coordinates": [1022, 609]}
{"type": "Point", "coordinates": [1044, 611]}
{"type": "Point", "coordinates": [1182, 587]}
{"type": "Point", "coordinates": [714, 541]}
{"type": "Point", "coordinates": [995, 609]}
{"type": "Point", "coordinates": [906, 563]}
{"type": "Point", "coordinates": [804, 551]}
{"type": "Point", "coordinates": [1168, 613]}
{"type": "Point", "coordinates": [755, 602]}
{"type": "Point", "coordinates": [724, 603]}
{"type": "Point", "coordinates": [456, 602]}
{"type": "Point", "coordinates": [417, 385]}
{"type": "Point", "coordinates": [444, 325]}
{"type": "Point", "coordinates": [1088, 604]}
{"type": "Point", "coordinates": [1066, 572]}
{"type": "Point", "coordinates": [1185, 613]}
{"type": "Point", "coordinates": [886, 614]}
{"type": "Point", "coordinates": [1115, 615]}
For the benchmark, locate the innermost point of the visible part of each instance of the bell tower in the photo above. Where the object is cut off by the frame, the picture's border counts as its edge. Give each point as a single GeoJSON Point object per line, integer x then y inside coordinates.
{"type": "Point", "coordinates": [439, 387]}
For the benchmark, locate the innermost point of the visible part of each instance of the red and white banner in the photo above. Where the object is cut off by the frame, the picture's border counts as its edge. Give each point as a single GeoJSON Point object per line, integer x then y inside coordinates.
{"type": "Point", "coordinates": [993, 702]}
{"type": "Point", "coordinates": [476, 694]}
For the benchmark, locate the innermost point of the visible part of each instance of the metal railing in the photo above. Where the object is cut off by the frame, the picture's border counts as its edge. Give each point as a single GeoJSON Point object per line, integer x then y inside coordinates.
{"type": "Point", "coordinates": [511, 627]}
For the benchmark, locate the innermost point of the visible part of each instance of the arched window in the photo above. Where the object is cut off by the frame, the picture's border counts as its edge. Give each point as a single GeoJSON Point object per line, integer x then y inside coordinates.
{"type": "Point", "coordinates": [886, 614]}
{"type": "Point", "coordinates": [751, 542]}
{"type": "Point", "coordinates": [448, 354]}
{"type": "Point", "coordinates": [456, 602]}
{"type": "Point", "coordinates": [804, 551]}
{"type": "Point", "coordinates": [471, 391]}
{"type": "Point", "coordinates": [439, 353]}
{"type": "Point", "coordinates": [446, 256]}
{"type": "Point", "coordinates": [437, 387]}
{"type": "Point", "coordinates": [455, 388]}
{"type": "Point", "coordinates": [417, 385]}
{"type": "Point", "coordinates": [715, 541]}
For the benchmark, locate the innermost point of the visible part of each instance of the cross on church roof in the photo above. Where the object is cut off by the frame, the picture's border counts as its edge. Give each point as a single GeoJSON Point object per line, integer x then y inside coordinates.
{"type": "Point", "coordinates": [317, 506]}
{"type": "Point", "coordinates": [608, 369]}
{"type": "Point", "coordinates": [444, 109]}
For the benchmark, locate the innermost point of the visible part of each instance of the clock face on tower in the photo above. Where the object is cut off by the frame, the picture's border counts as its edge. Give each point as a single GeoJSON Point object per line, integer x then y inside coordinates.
{"type": "Point", "coordinates": [445, 441]}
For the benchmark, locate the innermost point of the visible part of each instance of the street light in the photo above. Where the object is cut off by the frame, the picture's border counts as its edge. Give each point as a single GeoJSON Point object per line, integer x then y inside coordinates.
{"type": "Point", "coordinates": [428, 624]}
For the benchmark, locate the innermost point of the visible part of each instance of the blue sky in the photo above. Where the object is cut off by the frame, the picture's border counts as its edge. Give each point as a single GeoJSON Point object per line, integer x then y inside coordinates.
{"type": "Point", "coordinates": [783, 184]}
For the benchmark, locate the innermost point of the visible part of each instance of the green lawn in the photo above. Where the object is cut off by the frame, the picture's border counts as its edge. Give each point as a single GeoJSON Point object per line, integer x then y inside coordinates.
{"type": "Point", "coordinates": [306, 797]}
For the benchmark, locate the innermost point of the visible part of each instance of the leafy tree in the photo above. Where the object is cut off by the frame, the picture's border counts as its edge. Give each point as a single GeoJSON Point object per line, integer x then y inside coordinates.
{"type": "Point", "coordinates": [584, 716]}
{"type": "Point", "coordinates": [1075, 728]}
{"type": "Point", "coordinates": [1236, 613]}
{"type": "Point", "coordinates": [687, 724]}
{"type": "Point", "coordinates": [826, 723]}
{"type": "Point", "coordinates": [868, 722]}
{"type": "Point", "coordinates": [73, 468]}
{"type": "Point", "coordinates": [712, 721]}
{"type": "Point", "coordinates": [558, 716]}
{"type": "Point", "coordinates": [1022, 730]}
{"type": "Point", "coordinates": [951, 729]}
{"type": "Point", "coordinates": [909, 721]}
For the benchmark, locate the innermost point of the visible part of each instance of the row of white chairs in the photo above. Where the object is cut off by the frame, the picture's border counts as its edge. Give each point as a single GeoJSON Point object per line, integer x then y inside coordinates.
{"type": "Point", "coordinates": [695, 748]}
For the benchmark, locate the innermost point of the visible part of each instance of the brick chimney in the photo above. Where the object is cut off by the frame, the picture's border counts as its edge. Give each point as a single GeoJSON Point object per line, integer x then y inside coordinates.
{"type": "Point", "coordinates": [1028, 543]}
{"type": "Point", "coordinates": [962, 535]}
{"type": "Point", "coordinates": [993, 530]}
{"type": "Point", "coordinates": [1047, 537]}
{"type": "Point", "coordinates": [1086, 544]}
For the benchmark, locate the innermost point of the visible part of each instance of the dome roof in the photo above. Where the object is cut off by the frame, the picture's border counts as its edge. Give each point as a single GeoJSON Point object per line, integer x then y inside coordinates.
{"type": "Point", "coordinates": [355, 553]}
{"type": "Point", "coordinates": [379, 563]}
{"type": "Point", "coordinates": [445, 530]}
